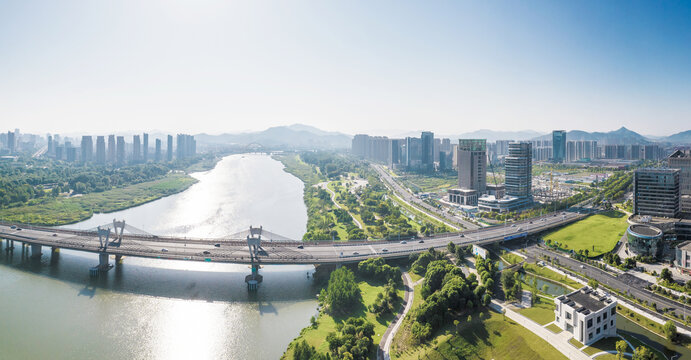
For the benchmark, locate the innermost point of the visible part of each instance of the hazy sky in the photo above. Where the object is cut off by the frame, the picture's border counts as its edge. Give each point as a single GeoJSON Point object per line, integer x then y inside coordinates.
{"type": "Point", "coordinates": [352, 66]}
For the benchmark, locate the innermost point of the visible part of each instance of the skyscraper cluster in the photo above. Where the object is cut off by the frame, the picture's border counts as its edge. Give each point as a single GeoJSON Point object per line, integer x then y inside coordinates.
{"type": "Point", "coordinates": [117, 151]}
{"type": "Point", "coordinates": [421, 154]}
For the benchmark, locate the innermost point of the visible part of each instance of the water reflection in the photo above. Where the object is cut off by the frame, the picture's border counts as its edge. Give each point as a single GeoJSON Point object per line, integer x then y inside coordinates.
{"type": "Point", "coordinates": [155, 309]}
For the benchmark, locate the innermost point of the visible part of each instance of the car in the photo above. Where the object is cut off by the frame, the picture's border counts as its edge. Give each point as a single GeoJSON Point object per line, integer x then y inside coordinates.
{"type": "Point", "coordinates": [462, 235]}
{"type": "Point", "coordinates": [531, 222]}
{"type": "Point", "coordinates": [513, 225]}
{"type": "Point", "coordinates": [421, 242]}
{"type": "Point", "coordinates": [582, 266]}
{"type": "Point", "coordinates": [206, 252]}
{"type": "Point", "coordinates": [55, 234]}
{"type": "Point", "coordinates": [300, 247]}
{"type": "Point", "coordinates": [19, 229]}
{"type": "Point", "coordinates": [519, 229]}
{"type": "Point", "coordinates": [356, 253]}
{"type": "Point", "coordinates": [217, 245]}
{"type": "Point", "coordinates": [384, 250]}
{"type": "Point", "coordinates": [405, 242]}
{"type": "Point", "coordinates": [13, 227]}
{"type": "Point", "coordinates": [164, 250]}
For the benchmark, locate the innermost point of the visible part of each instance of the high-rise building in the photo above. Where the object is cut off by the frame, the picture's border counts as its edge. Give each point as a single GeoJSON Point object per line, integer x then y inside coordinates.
{"type": "Point", "coordinates": [395, 152]}
{"type": "Point", "coordinates": [518, 167]}
{"type": "Point", "coordinates": [100, 150]}
{"type": "Point", "coordinates": [145, 148]}
{"type": "Point", "coordinates": [169, 148]}
{"type": "Point", "coordinates": [437, 149]}
{"type": "Point", "coordinates": [11, 142]}
{"type": "Point", "coordinates": [360, 145]}
{"type": "Point", "coordinates": [158, 150]}
{"type": "Point", "coordinates": [187, 146]}
{"type": "Point", "coordinates": [656, 192]}
{"type": "Point", "coordinates": [51, 145]}
{"type": "Point", "coordinates": [413, 151]}
{"type": "Point", "coordinates": [87, 149]}
{"type": "Point", "coordinates": [136, 149]}
{"type": "Point", "coordinates": [59, 152]}
{"type": "Point", "coordinates": [427, 151]}
{"type": "Point", "coordinates": [111, 149]}
{"type": "Point", "coordinates": [472, 164]}
{"type": "Point", "coordinates": [70, 152]}
{"type": "Point", "coordinates": [558, 145]}
{"type": "Point", "coordinates": [120, 153]}
{"type": "Point", "coordinates": [681, 159]}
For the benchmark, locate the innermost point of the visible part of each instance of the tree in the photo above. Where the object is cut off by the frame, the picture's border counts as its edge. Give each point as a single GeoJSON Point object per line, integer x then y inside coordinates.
{"type": "Point", "coordinates": [621, 347]}
{"type": "Point", "coordinates": [666, 275]}
{"type": "Point", "coordinates": [670, 330]}
{"type": "Point", "coordinates": [451, 247]}
{"type": "Point", "coordinates": [593, 283]}
{"type": "Point", "coordinates": [342, 292]}
{"type": "Point", "coordinates": [643, 353]}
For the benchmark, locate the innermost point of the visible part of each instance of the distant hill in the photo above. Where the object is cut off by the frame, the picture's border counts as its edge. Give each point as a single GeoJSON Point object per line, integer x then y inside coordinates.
{"type": "Point", "coordinates": [683, 137]}
{"type": "Point", "coordinates": [295, 136]}
{"type": "Point", "coordinates": [616, 137]}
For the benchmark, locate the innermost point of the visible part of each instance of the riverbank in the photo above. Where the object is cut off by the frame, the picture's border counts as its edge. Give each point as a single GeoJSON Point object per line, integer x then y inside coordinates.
{"type": "Point", "coordinates": [70, 210]}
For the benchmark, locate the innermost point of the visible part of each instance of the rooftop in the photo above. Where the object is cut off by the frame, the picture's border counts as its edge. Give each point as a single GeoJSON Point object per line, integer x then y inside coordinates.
{"type": "Point", "coordinates": [685, 246]}
{"type": "Point", "coordinates": [585, 300]}
{"type": "Point", "coordinates": [645, 230]}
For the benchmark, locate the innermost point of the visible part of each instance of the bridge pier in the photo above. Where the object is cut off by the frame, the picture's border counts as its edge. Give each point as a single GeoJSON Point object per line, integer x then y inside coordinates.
{"type": "Point", "coordinates": [103, 265]}
{"type": "Point", "coordinates": [118, 260]}
{"type": "Point", "coordinates": [54, 249]}
{"type": "Point", "coordinates": [36, 251]}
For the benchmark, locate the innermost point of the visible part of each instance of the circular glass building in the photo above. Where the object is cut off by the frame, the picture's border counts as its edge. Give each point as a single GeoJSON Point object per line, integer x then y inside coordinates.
{"type": "Point", "coordinates": [644, 239]}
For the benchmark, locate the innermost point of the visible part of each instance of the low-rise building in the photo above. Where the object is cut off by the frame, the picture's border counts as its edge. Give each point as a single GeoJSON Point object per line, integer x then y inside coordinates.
{"type": "Point", "coordinates": [683, 257]}
{"type": "Point", "coordinates": [588, 314]}
{"type": "Point", "coordinates": [463, 196]}
{"type": "Point", "coordinates": [480, 251]}
{"type": "Point", "coordinates": [644, 239]}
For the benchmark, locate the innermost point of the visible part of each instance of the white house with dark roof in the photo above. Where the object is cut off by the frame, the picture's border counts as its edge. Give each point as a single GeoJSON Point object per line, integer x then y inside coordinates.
{"type": "Point", "coordinates": [588, 314]}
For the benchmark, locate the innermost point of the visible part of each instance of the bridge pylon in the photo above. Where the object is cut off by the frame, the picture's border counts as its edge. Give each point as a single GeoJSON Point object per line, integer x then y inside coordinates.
{"type": "Point", "coordinates": [254, 243]}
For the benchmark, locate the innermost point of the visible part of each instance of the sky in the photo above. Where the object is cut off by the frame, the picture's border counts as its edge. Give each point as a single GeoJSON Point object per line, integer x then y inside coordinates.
{"type": "Point", "coordinates": [220, 66]}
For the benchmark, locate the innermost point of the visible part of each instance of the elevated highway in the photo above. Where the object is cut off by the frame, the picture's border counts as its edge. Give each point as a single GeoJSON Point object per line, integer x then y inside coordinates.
{"type": "Point", "coordinates": [273, 249]}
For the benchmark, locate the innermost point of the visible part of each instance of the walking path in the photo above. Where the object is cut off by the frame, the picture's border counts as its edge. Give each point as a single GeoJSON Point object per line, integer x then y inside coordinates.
{"type": "Point", "coordinates": [387, 338]}
{"type": "Point", "coordinates": [325, 186]}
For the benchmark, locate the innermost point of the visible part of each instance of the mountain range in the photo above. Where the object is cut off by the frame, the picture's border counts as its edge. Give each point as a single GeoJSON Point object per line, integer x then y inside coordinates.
{"type": "Point", "coordinates": [299, 136]}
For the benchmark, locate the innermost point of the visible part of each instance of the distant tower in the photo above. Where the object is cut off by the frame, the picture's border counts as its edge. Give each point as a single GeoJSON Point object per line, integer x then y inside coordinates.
{"type": "Point", "coordinates": [145, 148]}
{"type": "Point", "coordinates": [87, 149]}
{"type": "Point", "coordinates": [558, 145]}
{"type": "Point", "coordinates": [136, 149]}
{"type": "Point", "coordinates": [111, 149]}
{"type": "Point", "coordinates": [100, 150]}
{"type": "Point", "coordinates": [120, 155]}
{"type": "Point", "coordinates": [169, 153]}
{"type": "Point", "coordinates": [158, 150]}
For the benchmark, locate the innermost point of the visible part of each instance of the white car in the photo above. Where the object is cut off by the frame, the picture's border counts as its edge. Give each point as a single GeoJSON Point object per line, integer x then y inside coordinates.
{"type": "Point", "coordinates": [164, 250]}
{"type": "Point", "coordinates": [404, 242]}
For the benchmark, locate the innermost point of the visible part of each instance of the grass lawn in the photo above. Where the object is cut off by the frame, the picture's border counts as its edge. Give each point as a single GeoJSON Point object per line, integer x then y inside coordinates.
{"type": "Point", "coordinates": [605, 344]}
{"type": "Point", "coordinates": [487, 336]}
{"type": "Point", "coordinates": [636, 343]}
{"type": "Point", "coordinates": [62, 211]}
{"type": "Point", "coordinates": [542, 312]}
{"type": "Point", "coordinates": [429, 183]}
{"type": "Point", "coordinates": [413, 276]}
{"type": "Point", "coordinates": [512, 258]}
{"type": "Point", "coordinates": [549, 274]}
{"type": "Point", "coordinates": [327, 323]}
{"type": "Point", "coordinates": [575, 343]}
{"type": "Point", "coordinates": [300, 169]}
{"type": "Point", "coordinates": [597, 233]}
{"type": "Point", "coordinates": [554, 328]}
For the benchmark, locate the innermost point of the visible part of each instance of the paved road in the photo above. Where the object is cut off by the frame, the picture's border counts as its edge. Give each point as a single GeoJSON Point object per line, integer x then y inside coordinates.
{"type": "Point", "coordinates": [408, 197]}
{"type": "Point", "coordinates": [604, 277]}
{"type": "Point", "coordinates": [273, 252]}
{"type": "Point", "coordinates": [387, 338]}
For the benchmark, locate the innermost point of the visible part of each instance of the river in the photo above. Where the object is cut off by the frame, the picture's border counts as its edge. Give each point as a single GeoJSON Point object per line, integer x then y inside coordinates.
{"type": "Point", "coordinates": [156, 309]}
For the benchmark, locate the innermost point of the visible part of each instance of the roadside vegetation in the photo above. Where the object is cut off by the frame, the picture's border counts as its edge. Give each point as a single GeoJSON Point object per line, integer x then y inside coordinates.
{"type": "Point", "coordinates": [361, 207]}
{"type": "Point", "coordinates": [356, 307]}
{"type": "Point", "coordinates": [48, 192]}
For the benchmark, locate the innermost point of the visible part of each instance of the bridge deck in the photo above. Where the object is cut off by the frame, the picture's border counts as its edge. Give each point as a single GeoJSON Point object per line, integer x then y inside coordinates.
{"type": "Point", "coordinates": [274, 252]}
